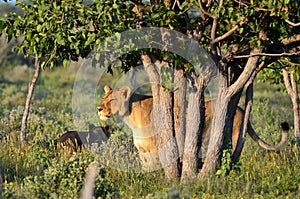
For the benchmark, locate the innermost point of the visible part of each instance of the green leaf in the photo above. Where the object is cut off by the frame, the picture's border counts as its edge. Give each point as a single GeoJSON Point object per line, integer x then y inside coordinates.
{"type": "Point", "coordinates": [66, 62]}
{"type": "Point", "coordinates": [241, 30]}
{"type": "Point", "coordinates": [39, 28]}
{"type": "Point", "coordinates": [43, 65]}
{"type": "Point", "coordinates": [1, 25]}
{"type": "Point", "coordinates": [115, 6]}
{"type": "Point", "coordinates": [9, 35]}
{"type": "Point", "coordinates": [155, 16]}
{"type": "Point", "coordinates": [227, 27]}
{"type": "Point", "coordinates": [60, 40]}
{"type": "Point", "coordinates": [270, 4]}
{"type": "Point", "coordinates": [90, 39]}
{"type": "Point", "coordinates": [258, 43]}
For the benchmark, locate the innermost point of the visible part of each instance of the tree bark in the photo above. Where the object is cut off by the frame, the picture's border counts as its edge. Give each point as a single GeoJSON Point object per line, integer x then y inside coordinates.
{"type": "Point", "coordinates": [28, 101]}
{"type": "Point", "coordinates": [291, 86]}
{"type": "Point", "coordinates": [226, 103]}
{"type": "Point", "coordinates": [242, 137]}
{"type": "Point", "coordinates": [87, 191]}
{"type": "Point", "coordinates": [215, 146]}
{"type": "Point", "coordinates": [194, 127]}
{"type": "Point", "coordinates": [180, 109]}
{"type": "Point", "coordinates": [163, 119]}
{"type": "Point", "coordinates": [168, 150]}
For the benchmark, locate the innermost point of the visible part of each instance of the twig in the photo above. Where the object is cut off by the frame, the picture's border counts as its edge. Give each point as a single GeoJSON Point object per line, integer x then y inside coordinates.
{"type": "Point", "coordinates": [215, 23]}
{"type": "Point", "coordinates": [240, 3]}
{"type": "Point", "coordinates": [51, 56]}
{"type": "Point", "coordinates": [178, 4]}
{"type": "Point", "coordinates": [289, 62]}
{"type": "Point", "coordinates": [230, 32]}
{"type": "Point", "coordinates": [292, 23]}
{"type": "Point", "coordinates": [265, 54]}
{"type": "Point", "coordinates": [204, 11]}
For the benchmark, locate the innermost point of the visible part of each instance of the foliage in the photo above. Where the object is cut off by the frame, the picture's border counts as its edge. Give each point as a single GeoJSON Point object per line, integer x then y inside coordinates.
{"type": "Point", "coordinates": [62, 30]}
{"type": "Point", "coordinates": [226, 163]}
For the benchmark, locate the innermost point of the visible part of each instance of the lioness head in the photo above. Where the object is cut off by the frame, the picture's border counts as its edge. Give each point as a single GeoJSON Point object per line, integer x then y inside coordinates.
{"type": "Point", "coordinates": [114, 102]}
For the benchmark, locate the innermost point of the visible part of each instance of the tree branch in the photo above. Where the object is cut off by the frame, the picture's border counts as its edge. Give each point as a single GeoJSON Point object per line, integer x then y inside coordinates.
{"type": "Point", "coordinates": [266, 54]}
{"type": "Point", "coordinates": [178, 4]}
{"type": "Point", "coordinates": [152, 73]}
{"type": "Point", "coordinates": [290, 40]}
{"type": "Point", "coordinates": [251, 79]}
{"type": "Point", "coordinates": [289, 63]}
{"type": "Point", "coordinates": [215, 23]}
{"type": "Point", "coordinates": [230, 32]}
{"type": "Point", "coordinates": [250, 67]}
{"type": "Point", "coordinates": [204, 11]}
{"type": "Point", "coordinates": [150, 67]}
{"type": "Point", "coordinates": [292, 23]}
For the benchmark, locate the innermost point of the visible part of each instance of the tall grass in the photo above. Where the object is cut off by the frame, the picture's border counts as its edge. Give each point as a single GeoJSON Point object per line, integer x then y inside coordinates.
{"type": "Point", "coordinates": [39, 170]}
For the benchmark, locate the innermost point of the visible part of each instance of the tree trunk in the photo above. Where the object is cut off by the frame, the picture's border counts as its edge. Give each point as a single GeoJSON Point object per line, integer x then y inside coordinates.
{"type": "Point", "coordinates": [168, 150]}
{"type": "Point", "coordinates": [28, 101]}
{"type": "Point", "coordinates": [291, 86]}
{"type": "Point", "coordinates": [242, 137]}
{"type": "Point", "coordinates": [195, 125]}
{"type": "Point", "coordinates": [87, 191]}
{"type": "Point", "coordinates": [180, 109]}
{"type": "Point", "coordinates": [223, 114]}
{"type": "Point", "coordinates": [163, 119]}
{"type": "Point", "coordinates": [215, 146]}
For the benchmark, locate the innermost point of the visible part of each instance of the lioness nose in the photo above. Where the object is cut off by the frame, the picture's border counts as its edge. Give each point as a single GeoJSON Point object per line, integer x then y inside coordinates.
{"type": "Point", "coordinates": [100, 109]}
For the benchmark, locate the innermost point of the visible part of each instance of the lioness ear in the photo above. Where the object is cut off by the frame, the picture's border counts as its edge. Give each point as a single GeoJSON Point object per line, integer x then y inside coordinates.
{"type": "Point", "coordinates": [125, 91]}
{"type": "Point", "coordinates": [106, 89]}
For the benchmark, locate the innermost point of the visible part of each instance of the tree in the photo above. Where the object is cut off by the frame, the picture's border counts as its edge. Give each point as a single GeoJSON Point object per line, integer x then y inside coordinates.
{"type": "Point", "coordinates": [42, 34]}
{"type": "Point", "coordinates": [240, 36]}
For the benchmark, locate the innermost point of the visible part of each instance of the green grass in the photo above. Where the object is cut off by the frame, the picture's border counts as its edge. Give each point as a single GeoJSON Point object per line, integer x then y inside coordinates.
{"type": "Point", "coordinates": [38, 170]}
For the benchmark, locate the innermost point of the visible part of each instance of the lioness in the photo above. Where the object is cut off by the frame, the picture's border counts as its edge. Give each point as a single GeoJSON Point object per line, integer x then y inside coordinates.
{"type": "Point", "coordinates": [75, 140]}
{"type": "Point", "coordinates": [135, 110]}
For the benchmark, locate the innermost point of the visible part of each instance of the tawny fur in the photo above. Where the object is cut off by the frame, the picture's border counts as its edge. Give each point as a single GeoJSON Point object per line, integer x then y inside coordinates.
{"type": "Point", "coordinates": [136, 113]}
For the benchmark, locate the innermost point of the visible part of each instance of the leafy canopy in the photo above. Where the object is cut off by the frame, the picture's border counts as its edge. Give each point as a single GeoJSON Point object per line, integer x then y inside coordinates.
{"type": "Point", "coordinates": [70, 29]}
{"type": "Point", "coordinates": [64, 30]}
